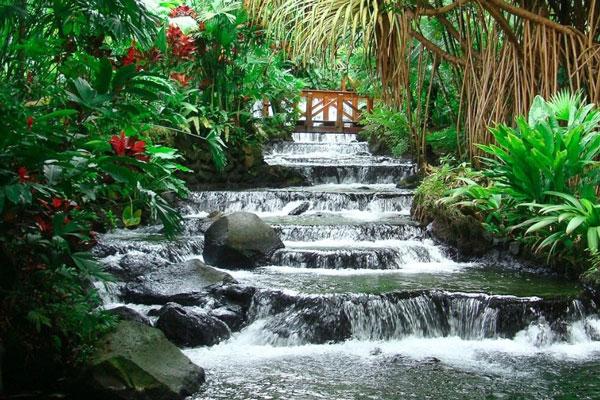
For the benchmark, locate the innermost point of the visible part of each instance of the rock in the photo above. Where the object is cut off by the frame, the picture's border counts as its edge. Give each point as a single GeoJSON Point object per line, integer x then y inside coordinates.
{"type": "Point", "coordinates": [240, 240]}
{"type": "Point", "coordinates": [185, 283]}
{"type": "Point", "coordinates": [233, 316]}
{"type": "Point", "coordinates": [410, 182]}
{"type": "Point", "coordinates": [235, 294]}
{"type": "Point", "coordinates": [514, 248]}
{"type": "Point", "coordinates": [214, 215]}
{"type": "Point", "coordinates": [463, 232]}
{"type": "Point", "coordinates": [300, 209]}
{"type": "Point", "coordinates": [129, 314]}
{"type": "Point", "coordinates": [190, 329]}
{"type": "Point", "coordinates": [138, 362]}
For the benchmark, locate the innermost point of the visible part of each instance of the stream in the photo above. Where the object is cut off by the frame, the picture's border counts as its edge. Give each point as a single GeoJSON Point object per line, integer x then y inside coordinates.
{"type": "Point", "coordinates": [363, 304]}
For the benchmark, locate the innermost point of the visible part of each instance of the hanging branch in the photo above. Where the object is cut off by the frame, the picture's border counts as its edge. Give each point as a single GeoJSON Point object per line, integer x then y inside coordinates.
{"type": "Point", "coordinates": [429, 45]}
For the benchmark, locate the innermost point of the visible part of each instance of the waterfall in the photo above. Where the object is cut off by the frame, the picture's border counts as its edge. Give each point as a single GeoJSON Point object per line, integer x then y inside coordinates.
{"type": "Point", "coordinates": [361, 302]}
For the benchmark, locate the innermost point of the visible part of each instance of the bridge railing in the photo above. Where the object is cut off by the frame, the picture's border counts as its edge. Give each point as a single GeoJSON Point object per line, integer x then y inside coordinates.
{"type": "Point", "coordinates": [332, 111]}
{"type": "Point", "coordinates": [328, 111]}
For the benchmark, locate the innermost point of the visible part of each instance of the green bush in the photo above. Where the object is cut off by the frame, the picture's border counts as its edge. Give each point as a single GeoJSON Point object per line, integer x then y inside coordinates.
{"type": "Point", "coordinates": [77, 158]}
{"type": "Point", "coordinates": [389, 126]}
{"type": "Point", "coordinates": [542, 180]}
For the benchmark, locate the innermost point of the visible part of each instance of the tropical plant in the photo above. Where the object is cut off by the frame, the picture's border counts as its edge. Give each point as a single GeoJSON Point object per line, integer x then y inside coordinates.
{"type": "Point", "coordinates": [77, 151]}
{"type": "Point", "coordinates": [569, 223]}
{"type": "Point", "coordinates": [387, 125]}
{"type": "Point", "coordinates": [553, 151]}
{"type": "Point", "coordinates": [541, 180]}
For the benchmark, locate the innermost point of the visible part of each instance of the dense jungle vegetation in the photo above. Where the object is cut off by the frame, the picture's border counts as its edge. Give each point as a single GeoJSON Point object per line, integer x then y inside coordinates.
{"type": "Point", "coordinates": [108, 106]}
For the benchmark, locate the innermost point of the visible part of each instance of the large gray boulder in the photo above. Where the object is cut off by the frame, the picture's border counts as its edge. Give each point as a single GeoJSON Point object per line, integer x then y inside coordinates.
{"type": "Point", "coordinates": [185, 283]}
{"type": "Point", "coordinates": [191, 328]}
{"type": "Point", "coordinates": [137, 362]}
{"type": "Point", "coordinates": [240, 240]}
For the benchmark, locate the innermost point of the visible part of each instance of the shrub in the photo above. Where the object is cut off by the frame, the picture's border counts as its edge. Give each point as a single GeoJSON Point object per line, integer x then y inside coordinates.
{"type": "Point", "coordinates": [389, 126]}
{"type": "Point", "coordinates": [543, 176]}
{"type": "Point", "coordinates": [76, 159]}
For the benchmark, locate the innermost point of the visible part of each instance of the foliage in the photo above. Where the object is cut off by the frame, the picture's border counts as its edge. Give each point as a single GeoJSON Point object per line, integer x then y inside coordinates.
{"type": "Point", "coordinates": [567, 224]}
{"type": "Point", "coordinates": [552, 151]}
{"type": "Point", "coordinates": [437, 184]}
{"type": "Point", "coordinates": [591, 277]}
{"type": "Point", "coordinates": [225, 67]}
{"type": "Point", "coordinates": [387, 125]}
{"type": "Point", "coordinates": [77, 158]}
{"type": "Point", "coordinates": [542, 180]}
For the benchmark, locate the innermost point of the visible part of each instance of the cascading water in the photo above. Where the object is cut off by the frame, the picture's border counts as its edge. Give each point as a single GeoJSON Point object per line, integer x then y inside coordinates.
{"type": "Point", "coordinates": [362, 304]}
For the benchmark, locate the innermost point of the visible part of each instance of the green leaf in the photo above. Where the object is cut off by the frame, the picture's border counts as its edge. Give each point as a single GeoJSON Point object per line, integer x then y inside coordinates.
{"type": "Point", "coordinates": [574, 224]}
{"type": "Point", "coordinates": [541, 224]}
{"type": "Point", "coordinates": [18, 194]}
{"type": "Point", "coordinates": [52, 172]}
{"type": "Point", "coordinates": [131, 217]}
{"type": "Point", "coordinates": [39, 319]}
{"type": "Point", "coordinates": [539, 111]}
{"type": "Point", "coordinates": [161, 40]}
{"type": "Point", "coordinates": [86, 263]}
{"type": "Point", "coordinates": [103, 76]}
{"type": "Point", "coordinates": [592, 239]}
{"type": "Point", "coordinates": [58, 114]}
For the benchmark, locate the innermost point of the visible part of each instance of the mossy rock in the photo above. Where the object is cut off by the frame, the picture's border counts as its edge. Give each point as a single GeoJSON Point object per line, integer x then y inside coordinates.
{"type": "Point", "coordinates": [137, 362]}
{"type": "Point", "coordinates": [240, 240]}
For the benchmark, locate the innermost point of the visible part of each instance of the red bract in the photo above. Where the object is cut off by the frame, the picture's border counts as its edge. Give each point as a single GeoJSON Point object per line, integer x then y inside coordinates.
{"type": "Point", "coordinates": [181, 78]}
{"type": "Point", "coordinates": [183, 11]}
{"type": "Point", "coordinates": [181, 45]}
{"type": "Point", "coordinates": [43, 224]}
{"type": "Point", "coordinates": [29, 122]}
{"type": "Point", "coordinates": [130, 57]}
{"type": "Point", "coordinates": [128, 146]}
{"type": "Point", "coordinates": [153, 55]}
{"type": "Point", "coordinates": [57, 203]}
{"type": "Point", "coordinates": [133, 56]}
{"type": "Point", "coordinates": [23, 175]}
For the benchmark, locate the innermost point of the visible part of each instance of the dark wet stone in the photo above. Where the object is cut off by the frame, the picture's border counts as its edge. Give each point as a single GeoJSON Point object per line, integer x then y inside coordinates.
{"type": "Point", "coordinates": [234, 316]}
{"type": "Point", "coordinates": [129, 314]}
{"type": "Point", "coordinates": [236, 294]}
{"type": "Point", "coordinates": [189, 329]}
{"type": "Point", "coordinates": [300, 209]}
{"type": "Point", "coordinates": [185, 283]}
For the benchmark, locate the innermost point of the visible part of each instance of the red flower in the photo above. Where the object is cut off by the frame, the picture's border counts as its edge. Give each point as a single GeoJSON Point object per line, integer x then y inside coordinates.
{"type": "Point", "coordinates": [130, 57]}
{"type": "Point", "coordinates": [23, 175]}
{"type": "Point", "coordinates": [29, 122]}
{"type": "Point", "coordinates": [153, 55]}
{"type": "Point", "coordinates": [183, 11]}
{"type": "Point", "coordinates": [133, 55]}
{"type": "Point", "coordinates": [181, 78]}
{"type": "Point", "coordinates": [43, 224]}
{"type": "Point", "coordinates": [181, 45]}
{"type": "Point", "coordinates": [56, 202]}
{"type": "Point", "coordinates": [128, 146]}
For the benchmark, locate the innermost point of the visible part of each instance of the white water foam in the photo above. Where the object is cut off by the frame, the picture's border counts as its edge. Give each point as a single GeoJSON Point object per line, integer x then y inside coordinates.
{"type": "Point", "coordinates": [247, 347]}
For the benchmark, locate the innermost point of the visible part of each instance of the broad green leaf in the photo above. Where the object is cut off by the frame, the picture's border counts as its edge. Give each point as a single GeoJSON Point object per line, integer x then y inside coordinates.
{"type": "Point", "coordinates": [574, 224]}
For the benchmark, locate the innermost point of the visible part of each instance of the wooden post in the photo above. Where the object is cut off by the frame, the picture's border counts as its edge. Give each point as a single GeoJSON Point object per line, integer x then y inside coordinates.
{"type": "Point", "coordinates": [309, 110]}
{"type": "Point", "coordinates": [355, 115]}
{"type": "Point", "coordinates": [369, 104]}
{"type": "Point", "coordinates": [265, 108]}
{"type": "Point", "coordinates": [325, 108]}
{"type": "Point", "coordinates": [340, 112]}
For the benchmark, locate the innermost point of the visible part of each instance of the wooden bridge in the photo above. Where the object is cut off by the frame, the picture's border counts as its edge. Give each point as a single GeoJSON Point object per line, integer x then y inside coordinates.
{"type": "Point", "coordinates": [330, 111]}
